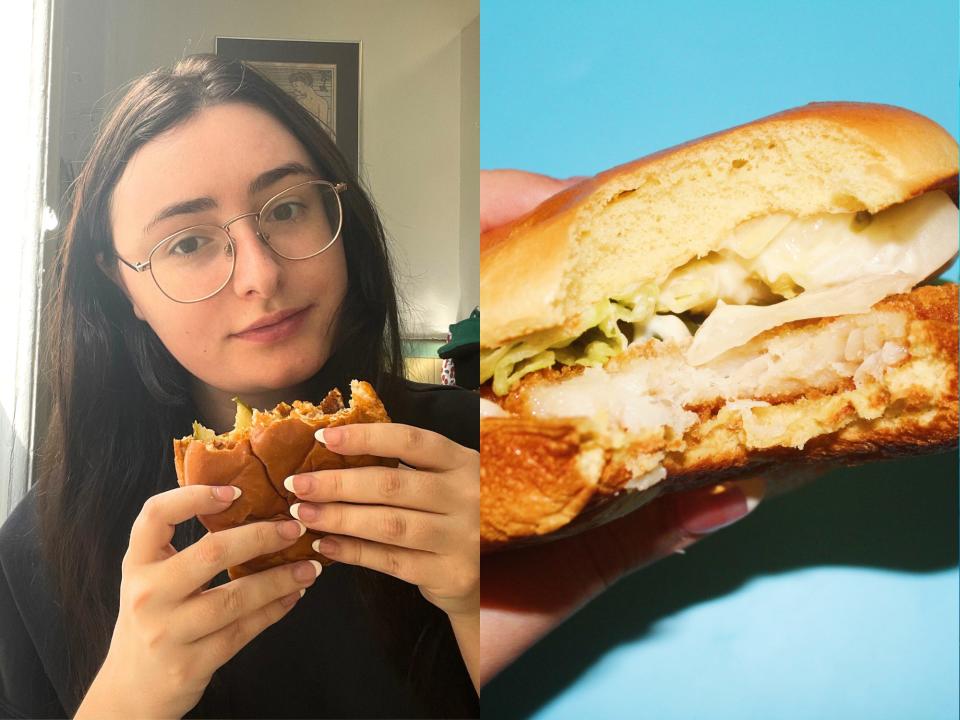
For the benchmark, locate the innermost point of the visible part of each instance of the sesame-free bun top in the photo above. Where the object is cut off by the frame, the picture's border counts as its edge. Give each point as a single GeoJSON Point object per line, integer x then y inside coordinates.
{"type": "Point", "coordinates": [639, 221]}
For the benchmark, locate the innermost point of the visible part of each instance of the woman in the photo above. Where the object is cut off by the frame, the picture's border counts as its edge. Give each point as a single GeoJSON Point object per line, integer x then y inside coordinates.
{"type": "Point", "coordinates": [172, 260]}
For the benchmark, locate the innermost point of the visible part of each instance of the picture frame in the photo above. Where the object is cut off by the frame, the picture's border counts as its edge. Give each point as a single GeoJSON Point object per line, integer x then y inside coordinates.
{"type": "Point", "coordinates": [324, 77]}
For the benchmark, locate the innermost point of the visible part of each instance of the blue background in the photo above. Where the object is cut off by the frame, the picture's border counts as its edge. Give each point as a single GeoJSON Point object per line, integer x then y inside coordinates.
{"type": "Point", "coordinates": [840, 600]}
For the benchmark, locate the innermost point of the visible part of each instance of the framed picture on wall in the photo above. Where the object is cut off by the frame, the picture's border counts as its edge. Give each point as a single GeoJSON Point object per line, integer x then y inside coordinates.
{"type": "Point", "coordinates": [324, 77]}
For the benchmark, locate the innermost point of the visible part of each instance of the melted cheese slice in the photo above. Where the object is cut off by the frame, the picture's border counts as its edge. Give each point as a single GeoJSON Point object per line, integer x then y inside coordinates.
{"type": "Point", "coordinates": [776, 256]}
{"type": "Point", "coordinates": [836, 267]}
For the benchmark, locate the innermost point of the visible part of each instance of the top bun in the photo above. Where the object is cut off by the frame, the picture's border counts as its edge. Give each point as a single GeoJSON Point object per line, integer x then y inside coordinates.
{"type": "Point", "coordinates": [641, 220]}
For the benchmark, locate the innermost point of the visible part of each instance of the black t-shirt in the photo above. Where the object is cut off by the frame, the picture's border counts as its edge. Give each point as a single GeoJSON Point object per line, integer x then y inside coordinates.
{"type": "Point", "coordinates": [324, 659]}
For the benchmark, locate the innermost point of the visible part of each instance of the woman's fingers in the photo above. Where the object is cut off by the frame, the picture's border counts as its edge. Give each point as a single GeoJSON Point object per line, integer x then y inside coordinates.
{"type": "Point", "coordinates": [401, 487]}
{"type": "Point", "coordinates": [415, 447]}
{"type": "Point", "coordinates": [667, 525]}
{"type": "Point", "coordinates": [168, 627]}
{"type": "Point", "coordinates": [396, 526]}
{"type": "Point", "coordinates": [153, 528]}
{"type": "Point", "coordinates": [215, 552]}
{"type": "Point", "coordinates": [707, 510]}
{"type": "Point", "coordinates": [508, 194]}
{"type": "Point", "coordinates": [452, 586]}
{"type": "Point", "coordinates": [214, 609]}
{"type": "Point", "coordinates": [554, 578]}
{"type": "Point", "coordinates": [402, 563]}
{"type": "Point", "coordinates": [527, 592]}
{"type": "Point", "coordinates": [214, 650]}
{"type": "Point", "coordinates": [419, 522]}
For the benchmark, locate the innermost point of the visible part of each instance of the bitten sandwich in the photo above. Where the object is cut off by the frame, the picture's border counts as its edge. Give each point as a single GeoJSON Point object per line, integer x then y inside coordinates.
{"type": "Point", "coordinates": [758, 298]}
{"type": "Point", "coordinates": [263, 449]}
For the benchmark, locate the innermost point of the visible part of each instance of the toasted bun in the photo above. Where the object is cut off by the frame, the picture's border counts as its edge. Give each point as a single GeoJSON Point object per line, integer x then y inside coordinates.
{"type": "Point", "coordinates": [278, 444]}
{"type": "Point", "coordinates": [578, 472]}
{"type": "Point", "coordinates": [639, 221]}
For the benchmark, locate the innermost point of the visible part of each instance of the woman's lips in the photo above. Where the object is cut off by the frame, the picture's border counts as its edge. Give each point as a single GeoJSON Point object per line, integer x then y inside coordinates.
{"type": "Point", "coordinates": [278, 331]}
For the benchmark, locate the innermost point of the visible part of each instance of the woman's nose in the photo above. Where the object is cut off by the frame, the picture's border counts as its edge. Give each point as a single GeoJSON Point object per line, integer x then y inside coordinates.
{"type": "Point", "coordinates": [257, 267]}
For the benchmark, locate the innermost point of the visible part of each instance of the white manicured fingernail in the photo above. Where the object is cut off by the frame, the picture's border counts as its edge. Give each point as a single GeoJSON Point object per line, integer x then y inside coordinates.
{"type": "Point", "coordinates": [295, 511]}
{"type": "Point", "coordinates": [285, 527]}
{"type": "Point", "coordinates": [325, 546]}
{"type": "Point", "coordinates": [317, 567]}
{"type": "Point", "coordinates": [753, 490]}
{"type": "Point", "coordinates": [302, 591]}
{"type": "Point", "coordinates": [288, 484]}
{"type": "Point", "coordinates": [319, 435]}
{"type": "Point", "coordinates": [220, 494]}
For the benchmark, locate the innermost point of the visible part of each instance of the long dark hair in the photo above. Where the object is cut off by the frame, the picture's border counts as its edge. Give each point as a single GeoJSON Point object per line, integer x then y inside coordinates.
{"type": "Point", "coordinates": [118, 396]}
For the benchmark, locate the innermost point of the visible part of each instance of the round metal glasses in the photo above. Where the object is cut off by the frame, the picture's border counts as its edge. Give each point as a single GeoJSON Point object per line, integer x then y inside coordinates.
{"type": "Point", "coordinates": [196, 263]}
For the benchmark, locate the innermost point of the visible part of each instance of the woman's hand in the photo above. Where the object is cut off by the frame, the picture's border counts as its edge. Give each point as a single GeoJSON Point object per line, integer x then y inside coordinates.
{"type": "Point", "coordinates": [529, 591]}
{"type": "Point", "coordinates": [508, 194]}
{"type": "Point", "coordinates": [419, 522]}
{"type": "Point", "coordinates": [171, 632]}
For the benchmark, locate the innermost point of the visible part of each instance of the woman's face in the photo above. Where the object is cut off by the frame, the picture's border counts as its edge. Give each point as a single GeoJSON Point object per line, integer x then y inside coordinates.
{"type": "Point", "coordinates": [214, 157]}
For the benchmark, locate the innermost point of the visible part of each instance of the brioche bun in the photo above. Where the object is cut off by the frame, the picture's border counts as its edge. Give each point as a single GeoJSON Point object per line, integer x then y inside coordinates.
{"type": "Point", "coordinates": [257, 459]}
{"type": "Point", "coordinates": [563, 449]}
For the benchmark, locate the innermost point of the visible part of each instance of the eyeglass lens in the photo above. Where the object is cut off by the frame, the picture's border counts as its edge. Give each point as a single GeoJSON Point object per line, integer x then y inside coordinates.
{"type": "Point", "coordinates": [301, 222]}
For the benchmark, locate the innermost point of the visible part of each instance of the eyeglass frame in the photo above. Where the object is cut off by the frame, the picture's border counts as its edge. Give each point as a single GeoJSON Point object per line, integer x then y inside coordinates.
{"type": "Point", "coordinates": [147, 264]}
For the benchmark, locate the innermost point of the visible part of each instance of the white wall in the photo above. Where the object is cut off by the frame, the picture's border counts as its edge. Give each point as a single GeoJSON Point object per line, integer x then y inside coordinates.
{"type": "Point", "coordinates": [419, 139]}
{"type": "Point", "coordinates": [469, 160]}
{"type": "Point", "coordinates": [22, 147]}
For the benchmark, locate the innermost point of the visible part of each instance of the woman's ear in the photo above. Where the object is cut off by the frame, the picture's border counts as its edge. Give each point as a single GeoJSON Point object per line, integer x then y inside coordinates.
{"type": "Point", "coordinates": [111, 271]}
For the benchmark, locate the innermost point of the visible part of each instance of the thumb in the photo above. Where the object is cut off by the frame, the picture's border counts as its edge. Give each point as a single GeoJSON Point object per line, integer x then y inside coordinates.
{"type": "Point", "coordinates": [508, 194]}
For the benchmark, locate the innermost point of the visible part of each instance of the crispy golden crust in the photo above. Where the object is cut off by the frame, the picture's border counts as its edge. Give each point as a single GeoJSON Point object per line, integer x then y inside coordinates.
{"type": "Point", "coordinates": [279, 444]}
{"type": "Point", "coordinates": [544, 463]}
{"type": "Point", "coordinates": [581, 246]}
{"type": "Point", "coordinates": [913, 410]}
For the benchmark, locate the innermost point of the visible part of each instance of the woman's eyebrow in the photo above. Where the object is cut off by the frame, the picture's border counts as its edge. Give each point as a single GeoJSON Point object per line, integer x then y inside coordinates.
{"type": "Point", "coordinates": [185, 207]}
{"type": "Point", "coordinates": [268, 178]}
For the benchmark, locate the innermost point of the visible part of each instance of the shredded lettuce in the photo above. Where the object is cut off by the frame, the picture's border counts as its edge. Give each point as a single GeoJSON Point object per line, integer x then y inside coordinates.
{"type": "Point", "coordinates": [591, 340]}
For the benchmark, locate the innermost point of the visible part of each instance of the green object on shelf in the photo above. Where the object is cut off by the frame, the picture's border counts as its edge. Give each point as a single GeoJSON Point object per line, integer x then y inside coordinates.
{"type": "Point", "coordinates": [464, 336]}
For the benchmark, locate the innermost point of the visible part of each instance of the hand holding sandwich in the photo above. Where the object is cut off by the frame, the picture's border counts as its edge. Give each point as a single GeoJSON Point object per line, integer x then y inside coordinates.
{"type": "Point", "coordinates": [172, 633]}
{"type": "Point", "coordinates": [418, 522]}
{"type": "Point", "coordinates": [758, 298]}
{"type": "Point", "coordinates": [529, 591]}
{"type": "Point", "coordinates": [508, 194]}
